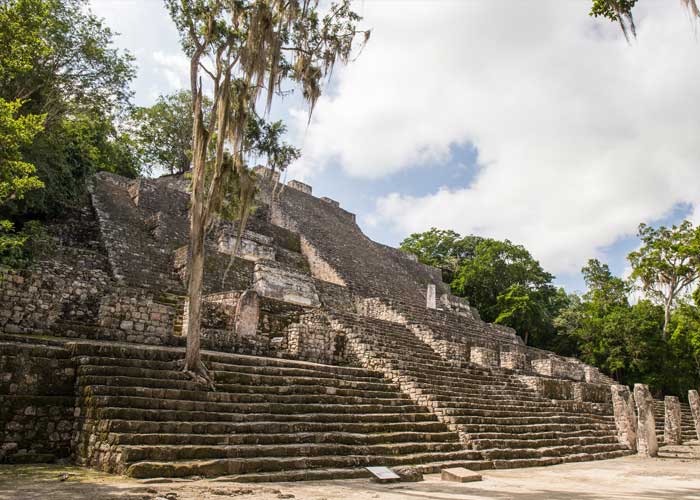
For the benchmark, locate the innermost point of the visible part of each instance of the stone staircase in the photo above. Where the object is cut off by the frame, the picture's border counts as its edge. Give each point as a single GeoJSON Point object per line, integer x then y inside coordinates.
{"type": "Point", "coordinates": [178, 303]}
{"type": "Point", "coordinates": [687, 423]}
{"type": "Point", "coordinates": [493, 412]}
{"type": "Point", "coordinates": [268, 420]}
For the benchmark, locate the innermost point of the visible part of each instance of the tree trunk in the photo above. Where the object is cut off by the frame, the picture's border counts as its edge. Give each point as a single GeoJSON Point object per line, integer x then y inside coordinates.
{"type": "Point", "coordinates": [667, 316]}
{"type": "Point", "coordinates": [194, 290]}
{"type": "Point", "coordinates": [198, 229]}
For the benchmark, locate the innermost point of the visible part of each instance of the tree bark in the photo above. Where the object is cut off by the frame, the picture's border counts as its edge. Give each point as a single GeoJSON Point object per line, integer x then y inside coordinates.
{"type": "Point", "coordinates": [667, 315]}
{"type": "Point", "coordinates": [198, 228]}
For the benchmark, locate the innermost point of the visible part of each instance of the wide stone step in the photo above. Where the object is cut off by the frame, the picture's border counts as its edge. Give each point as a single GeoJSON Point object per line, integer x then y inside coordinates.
{"type": "Point", "coordinates": [320, 371]}
{"type": "Point", "coordinates": [532, 413]}
{"type": "Point", "coordinates": [552, 451]}
{"type": "Point", "coordinates": [515, 430]}
{"type": "Point", "coordinates": [398, 399]}
{"type": "Point", "coordinates": [448, 394]}
{"type": "Point", "coordinates": [181, 405]}
{"type": "Point", "coordinates": [505, 405]}
{"type": "Point", "coordinates": [194, 416]}
{"type": "Point", "coordinates": [345, 438]}
{"type": "Point", "coordinates": [225, 378]}
{"type": "Point", "coordinates": [269, 427]}
{"type": "Point", "coordinates": [188, 385]}
{"type": "Point", "coordinates": [539, 462]}
{"type": "Point", "coordinates": [168, 354]}
{"type": "Point", "coordinates": [510, 421]}
{"type": "Point", "coordinates": [451, 389]}
{"type": "Point", "coordinates": [526, 437]}
{"type": "Point", "coordinates": [132, 454]}
{"type": "Point", "coordinates": [228, 466]}
{"type": "Point", "coordinates": [502, 444]}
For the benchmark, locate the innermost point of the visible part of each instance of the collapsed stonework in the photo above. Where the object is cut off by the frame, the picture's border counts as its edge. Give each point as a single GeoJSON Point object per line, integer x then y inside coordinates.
{"type": "Point", "coordinates": [330, 352]}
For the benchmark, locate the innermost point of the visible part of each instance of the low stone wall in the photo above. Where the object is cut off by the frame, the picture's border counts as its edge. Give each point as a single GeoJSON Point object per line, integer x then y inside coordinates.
{"type": "Point", "coordinates": [314, 339]}
{"type": "Point", "coordinates": [554, 388]}
{"type": "Point", "coordinates": [135, 313]}
{"type": "Point", "coordinates": [69, 289]}
{"type": "Point", "coordinates": [37, 403]}
{"type": "Point", "coordinates": [554, 366]}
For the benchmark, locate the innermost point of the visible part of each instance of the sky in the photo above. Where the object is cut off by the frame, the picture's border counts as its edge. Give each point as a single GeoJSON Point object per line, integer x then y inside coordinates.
{"type": "Point", "coordinates": [522, 120]}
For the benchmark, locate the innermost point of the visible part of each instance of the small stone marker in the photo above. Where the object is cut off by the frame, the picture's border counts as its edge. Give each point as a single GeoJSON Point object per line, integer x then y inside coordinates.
{"type": "Point", "coordinates": [383, 474]}
{"type": "Point", "coordinates": [459, 475]}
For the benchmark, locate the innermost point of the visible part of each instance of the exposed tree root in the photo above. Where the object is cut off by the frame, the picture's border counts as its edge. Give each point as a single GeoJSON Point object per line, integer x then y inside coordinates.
{"type": "Point", "coordinates": [200, 375]}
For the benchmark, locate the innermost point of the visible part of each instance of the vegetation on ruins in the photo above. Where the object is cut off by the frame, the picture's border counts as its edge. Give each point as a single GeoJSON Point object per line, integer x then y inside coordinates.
{"type": "Point", "coordinates": [654, 340]}
{"type": "Point", "coordinates": [501, 279]}
{"type": "Point", "coordinates": [246, 51]}
{"type": "Point", "coordinates": [62, 89]}
{"type": "Point", "coordinates": [163, 132]}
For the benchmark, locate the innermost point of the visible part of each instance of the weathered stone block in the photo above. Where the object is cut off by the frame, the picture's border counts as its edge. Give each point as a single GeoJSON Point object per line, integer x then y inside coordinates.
{"type": "Point", "coordinates": [252, 246]}
{"type": "Point", "coordinates": [247, 314]}
{"type": "Point", "coordinates": [592, 393]}
{"type": "Point", "coordinates": [300, 186]}
{"type": "Point", "coordinates": [558, 368]}
{"type": "Point", "coordinates": [673, 432]}
{"type": "Point", "coordinates": [647, 443]}
{"type": "Point", "coordinates": [625, 419]}
{"type": "Point", "coordinates": [513, 360]}
{"type": "Point", "coordinates": [694, 400]}
{"type": "Point", "coordinates": [275, 282]}
{"type": "Point", "coordinates": [483, 356]}
{"type": "Point", "coordinates": [459, 475]}
{"type": "Point", "coordinates": [331, 201]}
{"type": "Point", "coordinates": [430, 298]}
{"type": "Point", "coordinates": [549, 387]}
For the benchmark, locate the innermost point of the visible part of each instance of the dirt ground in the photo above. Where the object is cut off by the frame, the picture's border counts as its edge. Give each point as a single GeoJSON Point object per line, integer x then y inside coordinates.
{"type": "Point", "coordinates": [675, 475]}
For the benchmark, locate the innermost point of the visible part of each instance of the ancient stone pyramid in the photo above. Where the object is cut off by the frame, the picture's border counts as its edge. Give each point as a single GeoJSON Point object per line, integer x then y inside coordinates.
{"type": "Point", "coordinates": [330, 352]}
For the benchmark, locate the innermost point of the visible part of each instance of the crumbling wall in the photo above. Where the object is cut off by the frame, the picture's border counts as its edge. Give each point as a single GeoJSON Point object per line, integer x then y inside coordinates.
{"type": "Point", "coordinates": [37, 403]}
{"type": "Point", "coordinates": [68, 287]}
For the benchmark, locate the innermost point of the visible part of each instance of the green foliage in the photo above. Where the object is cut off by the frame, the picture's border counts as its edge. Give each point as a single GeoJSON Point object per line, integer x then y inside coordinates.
{"type": "Point", "coordinates": [611, 9]}
{"type": "Point", "coordinates": [163, 132]}
{"type": "Point", "coordinates": [17, 249]}
{"type": "Point", "coordinates": [61, 65]}
{"type": "Point", "coordinates": [668, 262]}
{"type": "Point", "coordinates": [440, 248]}
{"type": "Point", "coordinates": [626, 340]}
{"type": "Point", "coordinates": [601, 327]}
{"type": "Point", "coordinates": [501, 279]}
{"type": "Point", "coordinates": [619, 11]}
{"type": "Point", "coordinates": [16, 176]}
{"type": "Point", "coordinates": [71, 65]}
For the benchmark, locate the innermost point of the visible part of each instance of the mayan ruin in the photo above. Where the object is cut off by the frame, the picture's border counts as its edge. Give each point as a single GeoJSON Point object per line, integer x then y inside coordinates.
{"type": "Point", "coordinates": [314, 250]}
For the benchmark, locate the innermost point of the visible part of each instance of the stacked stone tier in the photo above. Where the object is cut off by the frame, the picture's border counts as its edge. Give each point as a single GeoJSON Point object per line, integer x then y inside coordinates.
{"type": "Point", "coordinates": [493, 411]}
{"type": "Point", "coordinates": [687, 423]}
{"type": "Point", "coordinates": [141, 416]}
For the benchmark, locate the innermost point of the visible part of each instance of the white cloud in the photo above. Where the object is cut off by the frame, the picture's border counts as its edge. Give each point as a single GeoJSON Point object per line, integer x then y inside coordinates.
{"type": "Point", "coordinates": [174, 67]}
{"type": "Point", "coordinates": [580, 135]}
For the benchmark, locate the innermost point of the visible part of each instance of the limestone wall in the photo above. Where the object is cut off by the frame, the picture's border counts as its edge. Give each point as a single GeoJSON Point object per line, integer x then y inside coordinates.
{"type": "Point", "coordinates": [36, 402]}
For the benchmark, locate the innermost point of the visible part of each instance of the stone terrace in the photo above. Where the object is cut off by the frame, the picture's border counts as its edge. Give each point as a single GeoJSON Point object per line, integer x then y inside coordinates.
{"type": "Point", "coordinates": [330, 352]}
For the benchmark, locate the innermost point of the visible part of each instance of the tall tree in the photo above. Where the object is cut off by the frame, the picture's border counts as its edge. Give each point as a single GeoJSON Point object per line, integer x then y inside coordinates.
{"type": "Point", "coordinates": [164, 131]}
{"type": "Point", "coordinates": [59, 59]}
{"type": "Point", "coordinates": [667, 264]}
{"type": "Point", "coordinates": [499, 278]}
{"type": "Point", "coordinates": [246, 49]}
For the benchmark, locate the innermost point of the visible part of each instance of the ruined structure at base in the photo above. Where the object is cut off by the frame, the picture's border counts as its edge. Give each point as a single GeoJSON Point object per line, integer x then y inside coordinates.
{"type": "Point", "coordinates": [330, 353]}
